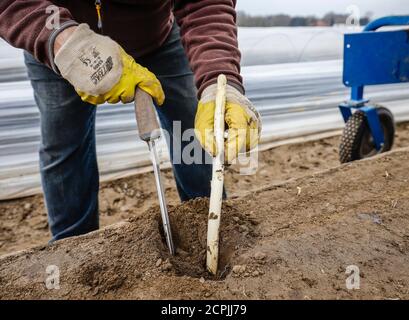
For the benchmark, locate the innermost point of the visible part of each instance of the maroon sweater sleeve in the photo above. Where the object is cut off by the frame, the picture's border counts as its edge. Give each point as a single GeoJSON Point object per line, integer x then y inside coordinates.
{"type": "Point", "coordinates": [23, 25]}
{"type": "Point", "coordinates": [209, 35]}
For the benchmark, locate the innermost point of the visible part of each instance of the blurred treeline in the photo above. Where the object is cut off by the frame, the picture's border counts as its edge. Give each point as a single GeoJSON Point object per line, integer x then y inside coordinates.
{"type": "Point", "coordinates": [284, 20]}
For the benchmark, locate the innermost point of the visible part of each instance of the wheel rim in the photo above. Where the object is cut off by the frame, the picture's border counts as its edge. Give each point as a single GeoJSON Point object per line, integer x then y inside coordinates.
{"type": "Point", "coordinates": [367, 148]}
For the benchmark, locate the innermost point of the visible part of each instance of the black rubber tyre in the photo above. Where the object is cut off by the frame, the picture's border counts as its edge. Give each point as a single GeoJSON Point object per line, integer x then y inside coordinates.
{"type": "Point", "coordinates": [357, 142]}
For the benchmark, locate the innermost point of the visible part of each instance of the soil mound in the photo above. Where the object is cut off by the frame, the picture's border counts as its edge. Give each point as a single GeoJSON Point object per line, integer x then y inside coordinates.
{"type": "Point", "coordinates": [290, 240]}
{"type": "Point", "coordinates": [189, 227]}
{"type": "Point", "coordinates": [119, 257]}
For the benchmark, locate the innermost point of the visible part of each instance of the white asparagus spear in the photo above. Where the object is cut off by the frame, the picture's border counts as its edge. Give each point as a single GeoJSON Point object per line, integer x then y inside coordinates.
{"type": "Point", "coordinates": [216, 195]}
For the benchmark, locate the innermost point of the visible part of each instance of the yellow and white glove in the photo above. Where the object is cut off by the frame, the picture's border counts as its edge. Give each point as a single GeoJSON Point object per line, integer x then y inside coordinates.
{"type": "Point", "coordinates": [101, 71]}
{"type": "Point", "coordinates": [242, 120]}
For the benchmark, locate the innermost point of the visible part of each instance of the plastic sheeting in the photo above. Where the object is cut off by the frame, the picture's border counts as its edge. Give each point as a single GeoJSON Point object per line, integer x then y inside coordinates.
{"type": "Point", "coordinates": [294, 99]}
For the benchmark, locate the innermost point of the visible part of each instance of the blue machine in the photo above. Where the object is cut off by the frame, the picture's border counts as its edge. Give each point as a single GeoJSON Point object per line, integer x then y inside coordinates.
{"type": "Point", "coordinates": [374, 58]}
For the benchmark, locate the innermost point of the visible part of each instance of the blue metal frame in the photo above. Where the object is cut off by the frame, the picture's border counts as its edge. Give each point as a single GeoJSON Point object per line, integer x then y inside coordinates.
{"type": "Point", "coordinates": [372, 58]}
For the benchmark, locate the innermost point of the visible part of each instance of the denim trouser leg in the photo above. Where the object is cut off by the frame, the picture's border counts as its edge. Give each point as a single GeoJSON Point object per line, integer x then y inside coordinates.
{"type": "Point", "coordinates": [171, 66]}
{"type": "Point", "coordinates": [68, 163]}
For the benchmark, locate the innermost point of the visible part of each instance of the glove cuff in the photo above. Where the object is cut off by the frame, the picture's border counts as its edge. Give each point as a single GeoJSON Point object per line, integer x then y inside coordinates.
{"type": "Point", "coordinates": [51, 41]}
{"type": "Point", "coordinates": [72, 48]}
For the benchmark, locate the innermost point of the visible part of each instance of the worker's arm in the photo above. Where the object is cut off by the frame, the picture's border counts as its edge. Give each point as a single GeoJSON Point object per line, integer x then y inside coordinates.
{"type": "Point", "coordinates": [209, 35]}
{"type": "Point", "coordinates": [23, 23]}
{"type": "Point", "coordinates": [97, 67]}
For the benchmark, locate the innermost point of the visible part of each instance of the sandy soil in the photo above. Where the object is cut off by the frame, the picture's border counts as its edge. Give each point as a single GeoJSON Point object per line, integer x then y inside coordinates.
{"type": "Point", "coordinates": [23, 222]}
{"type": "Point", "coordinates": [289, 240]}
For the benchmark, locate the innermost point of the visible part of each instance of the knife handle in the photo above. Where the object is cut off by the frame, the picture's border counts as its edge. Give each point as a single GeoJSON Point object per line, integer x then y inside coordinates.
{"type": "Point", "coordinates": [148, 126]}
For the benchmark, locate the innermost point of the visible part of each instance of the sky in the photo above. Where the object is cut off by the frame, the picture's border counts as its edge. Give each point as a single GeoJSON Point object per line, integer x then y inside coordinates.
{"type": "Point", "coordinates": [320, 7]}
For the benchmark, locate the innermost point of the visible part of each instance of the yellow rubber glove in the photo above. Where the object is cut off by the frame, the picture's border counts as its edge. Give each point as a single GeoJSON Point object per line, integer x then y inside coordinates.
{"type": "Point", "coordinates": [101, 71]}
{"type": "Point", "coordinates": [242, 122]}
{"type": "Point", "coordinates": [133, 75]}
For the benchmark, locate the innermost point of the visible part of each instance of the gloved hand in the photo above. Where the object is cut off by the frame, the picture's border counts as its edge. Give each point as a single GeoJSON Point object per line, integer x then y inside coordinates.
{"type": "Point", "coordinates": [242, 120]}
{"type": "Point", "coordinates": [101, 71]}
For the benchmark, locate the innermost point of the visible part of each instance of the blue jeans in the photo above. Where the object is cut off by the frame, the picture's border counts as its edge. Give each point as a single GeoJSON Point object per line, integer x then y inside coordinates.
{"type": "Point", "coordinates": [68, 161]}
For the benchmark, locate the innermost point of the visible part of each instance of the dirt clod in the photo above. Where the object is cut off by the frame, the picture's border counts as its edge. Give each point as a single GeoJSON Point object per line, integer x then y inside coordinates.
{"type": "Point", "coordinates": [167, 266]}
{"type": "Point", "coordinates": [238, 269]}
{"type": "Point", "coordinates": [259, 255]}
